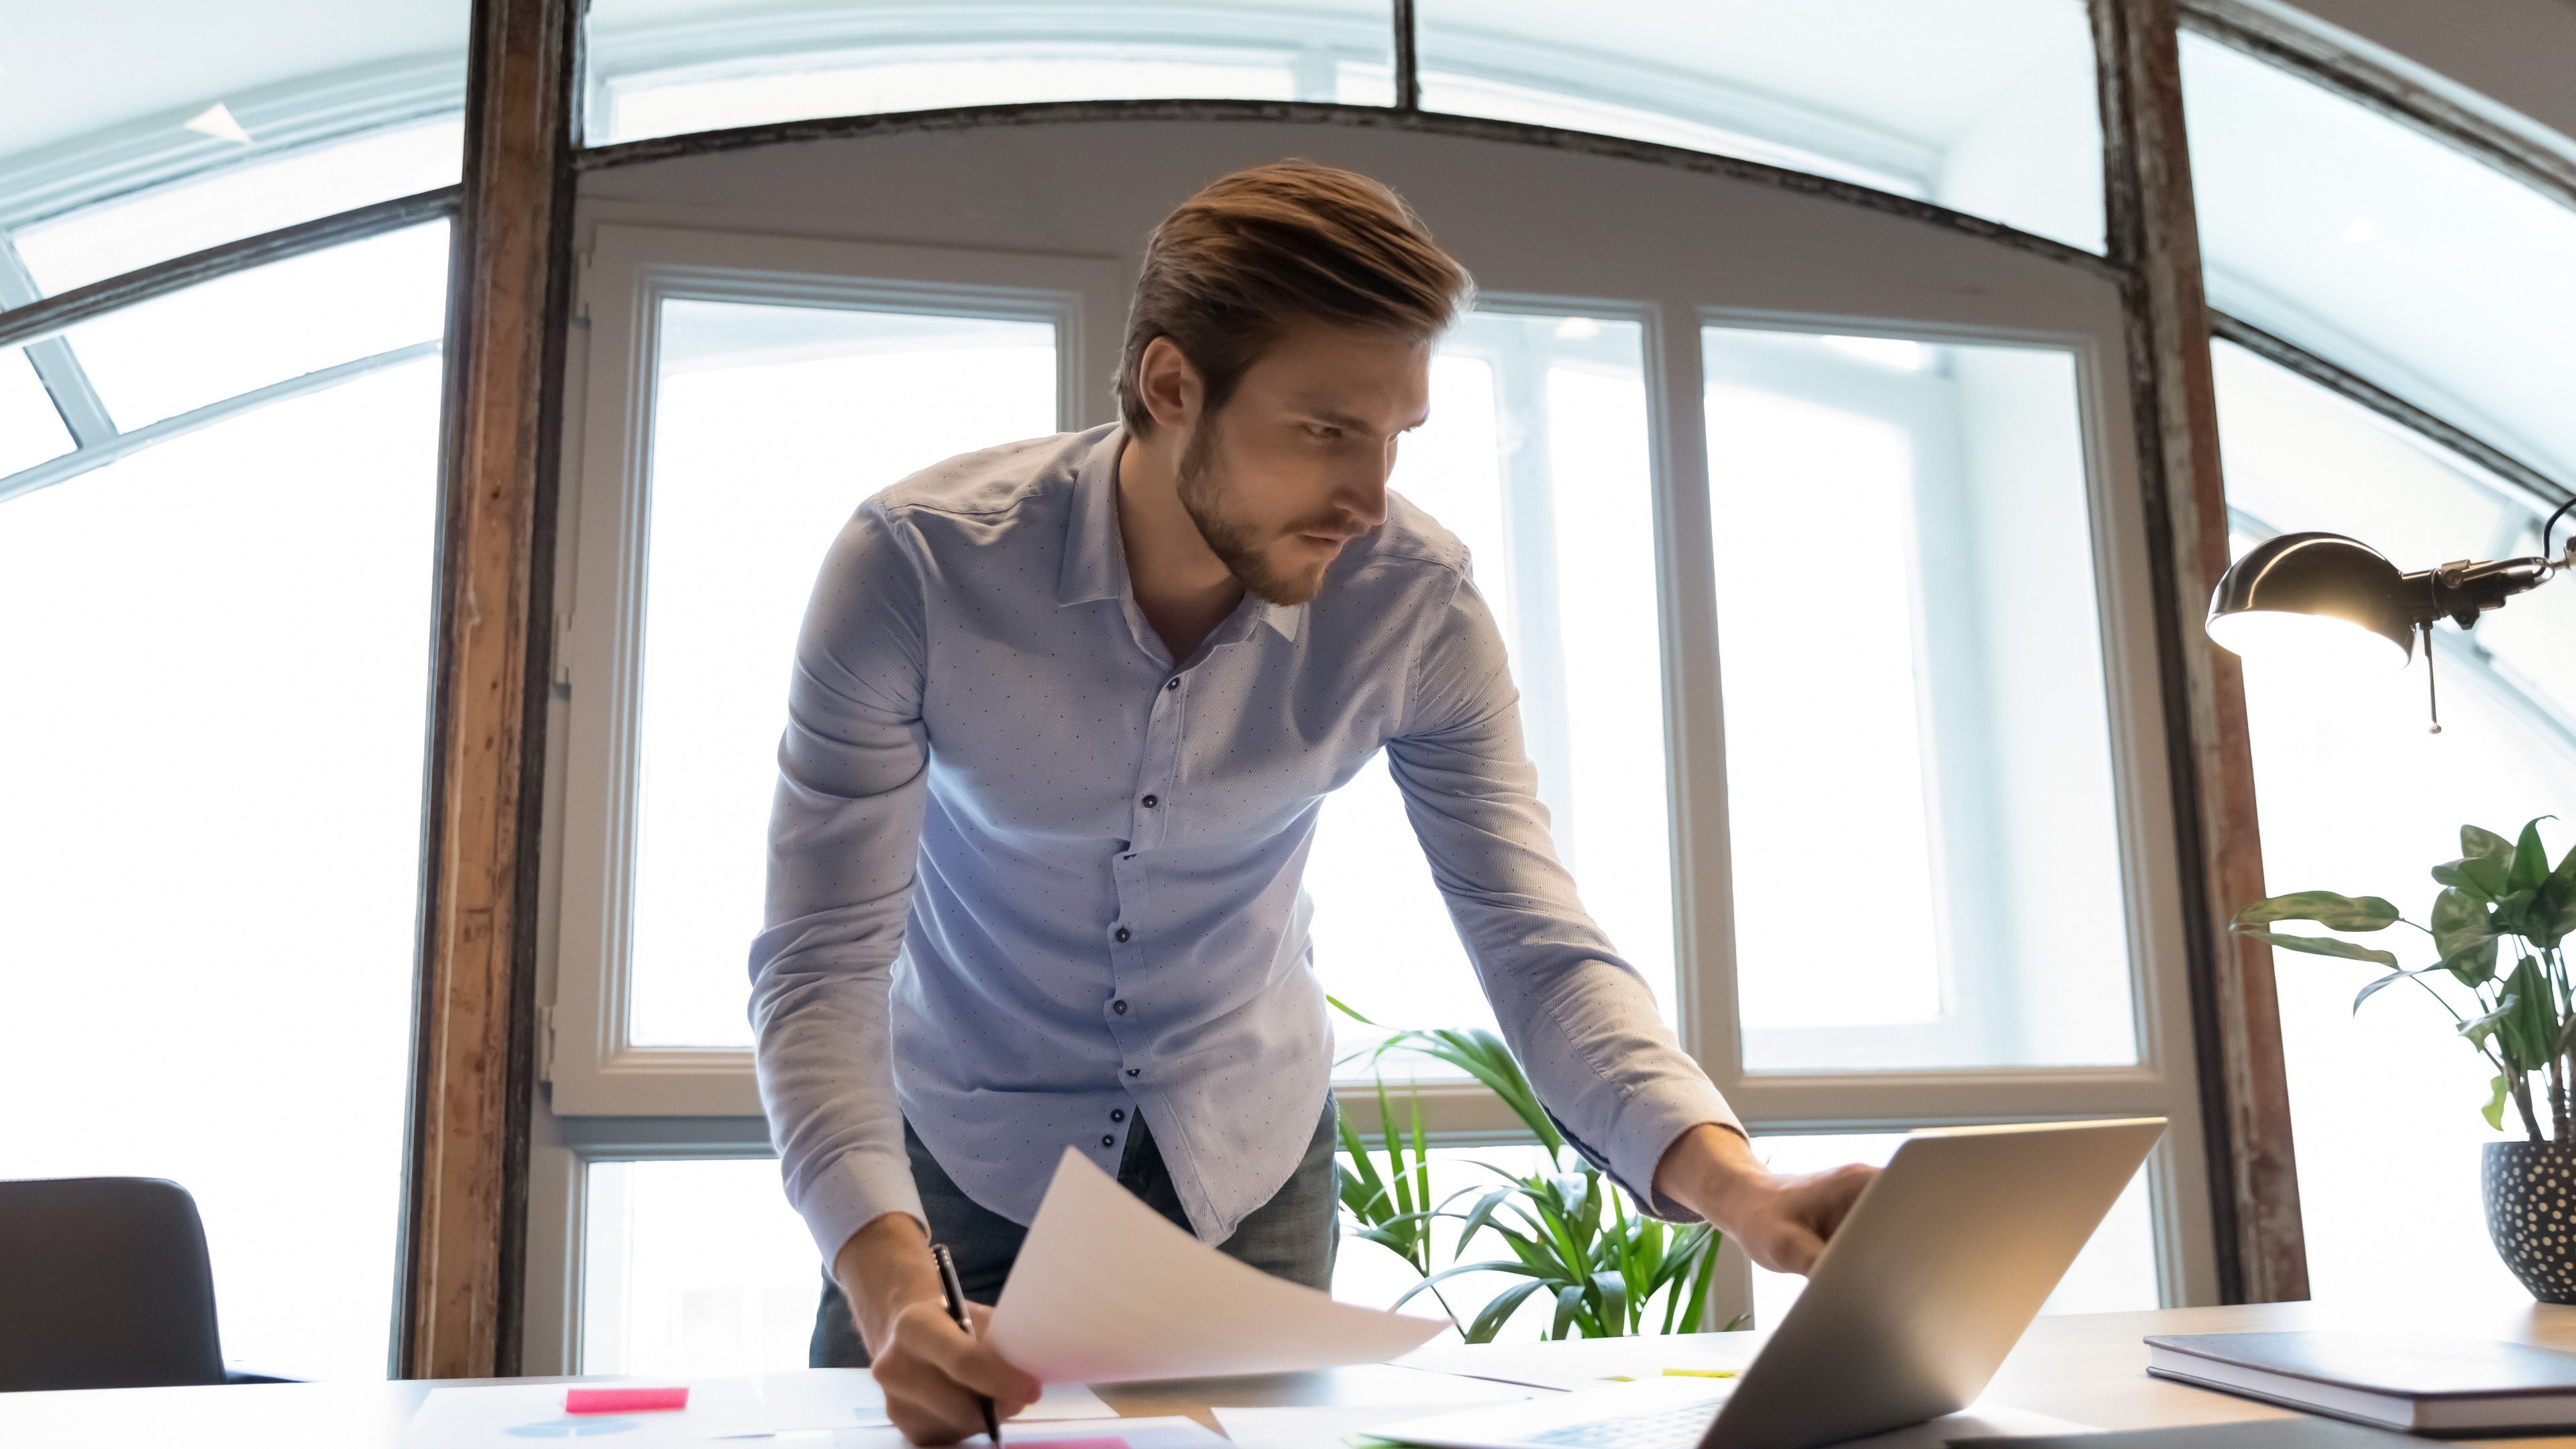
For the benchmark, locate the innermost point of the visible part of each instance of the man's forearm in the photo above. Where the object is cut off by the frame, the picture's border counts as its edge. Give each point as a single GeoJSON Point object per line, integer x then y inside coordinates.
{"type": "Point", "coordinates": [882, 1269]}
{"type": "Point", "coordinates": [1782, 1222]}
{"type": "Point", "coordinates": [1709, 1169]}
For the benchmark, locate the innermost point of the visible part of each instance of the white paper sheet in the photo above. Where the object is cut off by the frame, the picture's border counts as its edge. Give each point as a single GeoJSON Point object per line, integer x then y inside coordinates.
{"type": "Point", "coordinates": [1116, 1434]}
{"type": "Point", "coordinates": [1588, 1363]}
{"type": "Point", "coordinates": [852, 1398]}
{"type": "Point", "coordinates": [1982, 1419]}
{"type": "Point", "coordinates": [1327, 1427]}
{"type": "Point", "coordinates": [1107, 1290]}
{"type": "Point", "coordinates": [516, 1416]}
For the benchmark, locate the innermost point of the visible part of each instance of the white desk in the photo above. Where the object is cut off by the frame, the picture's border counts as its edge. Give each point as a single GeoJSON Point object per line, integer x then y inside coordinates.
{"type": "Point", "coordinates": [2087, 1368]}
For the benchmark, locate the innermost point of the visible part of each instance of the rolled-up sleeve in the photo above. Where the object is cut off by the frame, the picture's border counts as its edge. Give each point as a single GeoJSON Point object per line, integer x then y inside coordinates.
{"type": "Point", "coordinates": [844, 831]}
{"type": "Point", "coordinates": [1583, 1022]}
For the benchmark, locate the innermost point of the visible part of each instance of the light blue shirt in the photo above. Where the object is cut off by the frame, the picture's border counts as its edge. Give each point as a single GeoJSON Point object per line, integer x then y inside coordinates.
{"type": "Point", "coordinates": [1028, 878]}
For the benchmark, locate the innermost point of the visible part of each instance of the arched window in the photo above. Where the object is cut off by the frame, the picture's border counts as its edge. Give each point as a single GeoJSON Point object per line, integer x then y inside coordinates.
{"type": "Point", "coordinates": [220, 416]}
{"type": "Point", "coordinates": [2399, 307]}
{"type": "Point", "coordinates": [1766, 285]}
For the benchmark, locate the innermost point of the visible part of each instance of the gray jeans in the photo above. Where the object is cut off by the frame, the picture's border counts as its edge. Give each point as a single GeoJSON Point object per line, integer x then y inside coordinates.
{"type": "Point", "coordinates": [1292, 1236]}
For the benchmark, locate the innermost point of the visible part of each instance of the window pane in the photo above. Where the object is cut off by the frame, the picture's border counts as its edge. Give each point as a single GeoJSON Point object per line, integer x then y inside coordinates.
{"type": "Point", "coordinates": [125, 106]}
{"type": "Point", "coordinates": [666, 67]}
{"type": "Point", "coordinates": [238, 201]}
{"type": "Point", "coordinates": [2368, 242]}
{"type": "Point", "coordinates": [2116, 1272]}
{"type": "Point", "coordinates": [1919, 783]}
{"type": "Point", "coordinates": [1986, 106]}
{"type": "Point", "coordinates": [173, 354]}
{"type": "Point", "coordinates": [30, 429]}
{"type": "Point", "coordinates": [693, 1267]}
{"type": "Point", "coordinates": [770, 425]}
{"type": "Point", "coordinates": [1536, 458]}
{"type": "Point", "coordinates": [210, 843]}
{"type": "Point", "coordinates": [2300, 457]}
{"type": "Point", "coordinates": [2358, 797]}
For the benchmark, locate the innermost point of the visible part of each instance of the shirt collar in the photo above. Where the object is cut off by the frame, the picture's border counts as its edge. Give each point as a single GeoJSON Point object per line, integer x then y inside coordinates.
{"type": "Point", "coordinates": [1095, 560]}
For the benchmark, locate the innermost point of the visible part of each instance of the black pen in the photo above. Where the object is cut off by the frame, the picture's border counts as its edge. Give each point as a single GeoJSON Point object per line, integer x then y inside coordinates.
{"type": "Point", "coordinates": [956, 1292]}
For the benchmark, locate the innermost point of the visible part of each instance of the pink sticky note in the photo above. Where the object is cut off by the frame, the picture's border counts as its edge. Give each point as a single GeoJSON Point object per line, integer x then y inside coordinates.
{"type": "Point", "coordinates": [624, 1400]}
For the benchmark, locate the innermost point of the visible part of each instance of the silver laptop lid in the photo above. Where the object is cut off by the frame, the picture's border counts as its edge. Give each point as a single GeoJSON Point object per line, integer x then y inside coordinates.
{"type": "Point", "coordinates": [1931, 1280]}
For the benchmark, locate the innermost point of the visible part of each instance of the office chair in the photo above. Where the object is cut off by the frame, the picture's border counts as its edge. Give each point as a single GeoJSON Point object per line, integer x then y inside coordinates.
{"type": "Point", "coordinates": [104, 1284]}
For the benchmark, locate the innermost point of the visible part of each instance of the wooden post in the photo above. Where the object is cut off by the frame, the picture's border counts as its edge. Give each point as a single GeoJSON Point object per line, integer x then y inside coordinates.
{"type": "Point", "coordinates": [475, 1038]}
{"type": "Point", "coordinates": [2154, 238]}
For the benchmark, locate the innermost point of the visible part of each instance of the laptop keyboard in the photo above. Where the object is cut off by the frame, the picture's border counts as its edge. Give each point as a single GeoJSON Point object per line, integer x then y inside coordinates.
{"type": "Point", "coordinates": [1674, 1428]}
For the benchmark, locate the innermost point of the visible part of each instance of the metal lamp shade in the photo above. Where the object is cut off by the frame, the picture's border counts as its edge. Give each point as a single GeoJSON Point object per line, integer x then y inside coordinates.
{"type": "Point", "coordinates": [2319, 598]}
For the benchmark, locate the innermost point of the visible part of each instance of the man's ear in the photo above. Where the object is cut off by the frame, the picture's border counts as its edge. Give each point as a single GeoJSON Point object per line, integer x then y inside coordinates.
{"type": "Point", "coordinates": [1169, 385]}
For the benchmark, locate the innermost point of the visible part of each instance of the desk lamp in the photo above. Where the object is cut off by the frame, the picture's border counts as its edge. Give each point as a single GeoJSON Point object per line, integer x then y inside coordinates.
{"type": "Point", "coordinates": [2339, 603]}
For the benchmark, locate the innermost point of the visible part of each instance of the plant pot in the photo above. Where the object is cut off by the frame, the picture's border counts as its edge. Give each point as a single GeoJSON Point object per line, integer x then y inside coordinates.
{"type": "Point", "coordinates": [2531, 1214]}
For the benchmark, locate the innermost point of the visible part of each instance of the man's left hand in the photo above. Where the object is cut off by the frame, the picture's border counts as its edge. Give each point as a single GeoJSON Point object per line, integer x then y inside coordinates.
{"type": "Point", "coordinates": [1781, 1219]}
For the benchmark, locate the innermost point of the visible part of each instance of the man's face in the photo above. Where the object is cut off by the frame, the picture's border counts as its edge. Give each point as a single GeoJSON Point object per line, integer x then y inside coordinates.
{"type": "Point", "coordinates": [1295, 464]}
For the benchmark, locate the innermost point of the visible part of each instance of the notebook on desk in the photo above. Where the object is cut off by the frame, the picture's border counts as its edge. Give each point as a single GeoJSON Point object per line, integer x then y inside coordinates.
{"type": "Point", "coordinates": [2423, 1383]}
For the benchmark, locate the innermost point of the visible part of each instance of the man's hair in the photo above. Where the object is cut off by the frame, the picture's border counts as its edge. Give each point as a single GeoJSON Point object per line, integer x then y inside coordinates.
{"type": "Point", "coordinates": [1228, 272]}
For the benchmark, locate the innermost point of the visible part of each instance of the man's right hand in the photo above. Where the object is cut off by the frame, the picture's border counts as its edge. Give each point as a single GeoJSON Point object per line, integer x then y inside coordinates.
{"type": "Point", "coordinates": [930, 1369]}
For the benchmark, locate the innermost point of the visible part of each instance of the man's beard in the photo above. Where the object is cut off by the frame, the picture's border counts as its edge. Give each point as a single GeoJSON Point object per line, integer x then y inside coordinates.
{"type": "Point", "coordinates": [1232, 538]}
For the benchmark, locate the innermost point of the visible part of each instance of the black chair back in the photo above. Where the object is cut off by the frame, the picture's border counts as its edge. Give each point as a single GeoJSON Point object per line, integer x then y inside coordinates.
{"type": "Point", "coordinates": [104, 1284]}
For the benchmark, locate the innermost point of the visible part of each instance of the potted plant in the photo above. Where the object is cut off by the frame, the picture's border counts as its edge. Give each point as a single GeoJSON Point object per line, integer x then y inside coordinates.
{"type": "Point", "coordinates": [2498, 931]}
{"type": "Point", "coordinates": [1570, 1234]}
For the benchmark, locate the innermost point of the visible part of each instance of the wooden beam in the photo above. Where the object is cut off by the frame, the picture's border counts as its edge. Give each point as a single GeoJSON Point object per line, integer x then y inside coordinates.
{"type": "Point", "coordinates": [475, 1038]}
{"type": "Point", "coordinates": [2154, 238]}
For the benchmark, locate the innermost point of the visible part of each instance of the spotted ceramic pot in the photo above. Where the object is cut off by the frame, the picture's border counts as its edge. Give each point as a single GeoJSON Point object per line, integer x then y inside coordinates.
{"type": "Point", "coordinates": [2531, 1214]}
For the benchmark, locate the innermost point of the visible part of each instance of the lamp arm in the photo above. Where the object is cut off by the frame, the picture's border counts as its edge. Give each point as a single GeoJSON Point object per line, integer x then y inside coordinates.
{"type": "Point", "coordinates": [2463, 590]}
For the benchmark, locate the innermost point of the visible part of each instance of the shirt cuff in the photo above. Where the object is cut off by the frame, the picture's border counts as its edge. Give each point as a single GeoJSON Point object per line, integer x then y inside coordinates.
{"type": "Point", "coordinates": [853, 1190]}
{"type": "Point", "coordinates": [1649, 1121]}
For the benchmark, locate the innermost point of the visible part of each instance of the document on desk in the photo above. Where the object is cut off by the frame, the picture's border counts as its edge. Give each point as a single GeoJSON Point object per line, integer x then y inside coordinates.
{"type": "Point", "coordinates": [1172, 1433]}
{"type": "Point", "coordinates": [508, 1416]}
{"type": "Point", "coordinates": [1107, 1290]}
{"type": "Point", "coordinates": [836, 1398]}
{"type": "Point", "coordinates": [1322, 1426]}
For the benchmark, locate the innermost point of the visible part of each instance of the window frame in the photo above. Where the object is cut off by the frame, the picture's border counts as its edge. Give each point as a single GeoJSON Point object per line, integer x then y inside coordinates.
{"type": "Point", "coordinates": [521, 153]}
{"type": "Point", "coordinates": [2024, 296]}
{"type": "Point", "coordinates": [629, 272]}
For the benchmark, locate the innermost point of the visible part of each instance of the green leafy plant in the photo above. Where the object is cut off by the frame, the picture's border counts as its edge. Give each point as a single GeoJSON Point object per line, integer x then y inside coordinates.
{"type": "Point", "coordinates": [2497, 930]}
{"type": "Point", "coordinates": [1570, 1234]}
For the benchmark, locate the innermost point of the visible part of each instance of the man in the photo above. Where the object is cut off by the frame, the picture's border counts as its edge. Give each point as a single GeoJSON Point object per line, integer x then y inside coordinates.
{"type": "Point", "coordinates": [1062, 717]}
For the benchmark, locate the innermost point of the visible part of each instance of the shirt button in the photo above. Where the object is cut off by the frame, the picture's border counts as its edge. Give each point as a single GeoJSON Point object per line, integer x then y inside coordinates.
{"type": "Point", "coordinates": [1122, 934]}
{"type": "Point", "coordinates": [1117, 1114]}
{"type": "Point", "coordinates": [1153, 800]}
{"type": "Point", "coordinates": [1118, 1006]}
{"type": "Point", "coordinates": [1131, 1071]}
{"type": "Point", "coordinates": [1108, 1141]}
{"type": "Point", "coordinates": [1172, 683]}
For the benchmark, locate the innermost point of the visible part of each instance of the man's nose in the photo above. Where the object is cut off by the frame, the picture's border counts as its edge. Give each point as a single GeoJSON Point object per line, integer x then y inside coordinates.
{"type": "Point", "coordinates": [1363, 492]}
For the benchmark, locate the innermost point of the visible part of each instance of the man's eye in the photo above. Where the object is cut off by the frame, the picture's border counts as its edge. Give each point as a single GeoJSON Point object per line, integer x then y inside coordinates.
{"type": "Point", "coordinates": [1322, 433]}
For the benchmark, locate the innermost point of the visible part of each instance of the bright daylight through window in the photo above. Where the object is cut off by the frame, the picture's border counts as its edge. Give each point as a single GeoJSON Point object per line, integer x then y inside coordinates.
{"type": "Point", "coordinates": [1987, 107]}
{"type": "Point", "coordinates": [2444, 281]}
{"type": "Point", "coordinates": [1961, 727]}
{"type": "Point", "coordinates": [213, 841]}
{"type": "Point", "coordinates": [130, 134]}
{"type": "Point", "coordinates": [217, 548]}
{"type": "Point", "coordinates": [759, 457]}
{"type": "Point", "coordinates": [2359, 797]}
{"type": "Point", "coordinates": [1536, 458]}
{"type": "Point", "coordinates": [664, 67]}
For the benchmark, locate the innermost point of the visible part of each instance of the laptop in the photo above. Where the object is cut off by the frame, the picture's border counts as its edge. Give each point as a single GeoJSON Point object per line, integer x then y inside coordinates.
{"type": "Point", "coordinates": [1942, 1263]}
